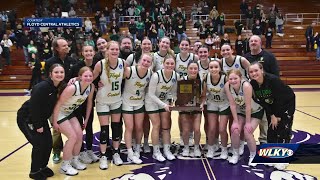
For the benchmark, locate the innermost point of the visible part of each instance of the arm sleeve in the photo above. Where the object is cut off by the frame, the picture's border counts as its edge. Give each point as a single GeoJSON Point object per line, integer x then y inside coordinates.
{"type": "Point", "coordinates": [38, 103]}
{"type": "Point", "coordinates": [152, 90]}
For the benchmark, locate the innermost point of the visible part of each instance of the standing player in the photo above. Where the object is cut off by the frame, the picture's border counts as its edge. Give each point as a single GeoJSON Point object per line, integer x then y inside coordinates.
{"type": "Point", "coordinates": [108, 101]}
{"type": "Point", "coordinates": [182, 60]}
{"type": "Point", "coordinates": [65, 121]}
{"type": "Point", "coordinates": [217, 107]}
{"type": "Point", "coordinates": [190, 121]}
{"type": "Point", "coordinates": [246, 114]}
{"type": "Point", "coordinates": [137, 79]}
{"type": "Point", "coordinates": [163, 84]}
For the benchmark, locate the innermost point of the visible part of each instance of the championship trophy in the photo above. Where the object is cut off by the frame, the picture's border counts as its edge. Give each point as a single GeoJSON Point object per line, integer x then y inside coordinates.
{"type": "Point", "coordinates": [188, 96]}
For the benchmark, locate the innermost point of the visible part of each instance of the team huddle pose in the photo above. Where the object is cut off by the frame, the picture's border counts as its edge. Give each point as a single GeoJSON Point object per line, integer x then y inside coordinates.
{"type": "Point", "coordinates": [143, 87]}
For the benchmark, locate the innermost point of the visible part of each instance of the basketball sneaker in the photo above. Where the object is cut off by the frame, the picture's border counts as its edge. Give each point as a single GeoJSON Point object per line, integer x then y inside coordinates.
{"type": "Point", "coordinates": [92, 156]}
{"type": "Point", "coordinates": [196, 151]}
{"type": "Point", "coordinates": [84, 157]}
{"type": "Point", "coordinates": [75, 162]}
{"type": "Point", "coordinates": [56, 158]}
{"type": "Point", "coordinates": [67, 169]}
{"type": "Point", "coordinates": [250, 161]}
{"type": "Point", "coordinates": [134, 159]}
{"type": "Point", "coordinates": [117, 159]}
{"type": "Point", "coordinates": [185, 151]}
{"type": "Point", "coordinates": [224, 153]}
{"type": "Point", "coordinates": [282, 166]}
{"type": "Point", "coordinates": [146, 147]}
{"type": "Point", "coordinates": [167, 153]}
{"type": "Point", "coordinates": [103, 163]}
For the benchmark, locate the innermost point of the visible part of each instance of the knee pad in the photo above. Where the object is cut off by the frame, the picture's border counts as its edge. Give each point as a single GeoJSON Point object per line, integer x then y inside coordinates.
{"type": "Point", "coordinates": [104, 134]}
{"type": "Point", "coordinates": [116, 130]}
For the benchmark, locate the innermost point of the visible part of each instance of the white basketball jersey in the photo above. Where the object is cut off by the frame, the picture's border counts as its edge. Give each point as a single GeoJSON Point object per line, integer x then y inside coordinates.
{"type": "Point", "coordinates": [111, 91]}
{"type": "Point", "coordinates": [182, 65]}
{"type": "Point", "coordinates": [158, 61]}
{"type": "Point", "coordinates": [164, 86]}
{"type": "Point", "coordinates": [131, 60]}
{"type": "Point", "coordinates": [216, 92]}
{"type": "Point", "coordinates": [75, 101]}
{"type": "Point", "coordinates": [236, 65]}
{"type": "Point", "coordinates": [135, 87]}
{"type": "Point", "coordinates": [202, 71]}
{"type": "Point", "coordinates": [240, 101]}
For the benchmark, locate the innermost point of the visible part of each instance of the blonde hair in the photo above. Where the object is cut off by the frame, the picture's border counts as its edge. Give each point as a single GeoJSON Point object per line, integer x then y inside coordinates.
{"type": "Point", "coordinates": [107, 58]}
{"type": "Point", "coordinates": [236, 72]}
{"type": "Point", "coordinates": [170, 51]}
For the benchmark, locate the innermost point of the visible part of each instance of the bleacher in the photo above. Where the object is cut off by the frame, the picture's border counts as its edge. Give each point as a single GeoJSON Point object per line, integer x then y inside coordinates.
{"type": "Point", "coordinates": [297, 66]}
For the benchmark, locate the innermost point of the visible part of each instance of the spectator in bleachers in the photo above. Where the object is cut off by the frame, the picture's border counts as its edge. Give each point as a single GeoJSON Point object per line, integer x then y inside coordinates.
{"type": "Point", "coordinates": [213, 13]}
{"type": "Point", "coordinates": [246, 47]}
{"type": "Point", "coordinates": [140, 28]}
{"type": "Point", "coordinates": [114, 27]}
{"type": "Point", "coordinates": [249, 18]}
{"type": "Point", "coordinates": [221, 23]}
{"type": "Point", "coordinates": [51, 35]}
{"type": "Point", "coordinates": [317, 42]}
{"type": "Point", "coordinates": [263, 22]}
{"type": "Point", "coordinates": [180, 30]}
{"type": "Point", "coordinates": [161, 31]}
{"type": "Point", "coordinates": [216, 40]}
{"type": "Point", "coordinates": [209, 41]}
{"type": "Point", "coordinates": [309, 34]}
{"type": "Point", "coordinates": [133, 29]}
{"type": "Point", "coordinates": [12, 37]}
{"type": "Point", "coordinates": [257, 11]}
{"type": "Point", "coordinates": [274, 8]}
{"type": "Point", "coordinates": [153, 35]}
{"type": "Point", "coordinates": [6, 45]}
{"type": "Point", "coordinates": [171, 33]}
{"type": "Point", "coordinates": [72, 12]}
{"type": "Point", "coordinates": [243, 7]}
{"type": "Point", "coordinates": [103, 23]}
{"type": "Point", "coordinates": [279, 24]}
{"type": "Point", "coordinates": [158, 21]}
{"type": "Point", "coordinates": [193, 11]}
{"type": "Point", "coordinates": [4, 19]}
{"type": "Point", "coordinates": [114, 16]}
{"type": "Point", "coordinates": [19, 34]}
{"type": "Point", "coordinates": [106, 14]}
{"type": "Point", "coordinates": [225, 40]}
{"type": "Point", "coordinates": [197, 24]}
{"type": "Point", "coordinates": [147, 23]}
{"type": "Point", "coordinates": [210, 29]}
{"type": "Point", "coordinates": [167, 2]}
{"type": "Point", "coordinates": [256, 28]}
{"type": "Point", "coordinates": [25, 40]}
{"type": "Point", "coordinates": [269, 36]}
{"type": "Point", "coordinates": [239, 26]}
{"type": "Point", "coordinates": [88, 24]}
{"type": "Point", "coordinates": [45, 52]}
{"type": "Point", "coordinates": [272, 19]}
{"type": "Point", "coordinates": [239, 45]}
{"type": "Point", "coordinates": [32, 49]}
{"type": "Point", "coordinates": [205, 8]}
{"type": "Point", "coordinates": [96, 18]}
{"type": "Point", "coordinates": [131, 10]}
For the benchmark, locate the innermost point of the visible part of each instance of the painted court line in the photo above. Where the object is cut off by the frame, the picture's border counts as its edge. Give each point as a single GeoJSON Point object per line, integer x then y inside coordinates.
{"type": "Point", "coordinates": [308, 114]}
{"type": "Point", "coordinates": [13, 151]}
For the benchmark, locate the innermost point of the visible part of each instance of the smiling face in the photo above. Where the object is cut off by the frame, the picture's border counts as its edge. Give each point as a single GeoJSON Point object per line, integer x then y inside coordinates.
{"type": "Point", "coordinates": [88, 52]}
{"type": "Point", "coordinates": [184, 46]}
{"type": "Point", "coordinates": [164, 44]}
{"type": "Point", "coordinates": [226, 51]}
{"type": "Point", "coordinates": [193, 70]}
{"type": "Point", "coordinates": [57, 74]}
{"type": "Point", "coordinates": [145, 61]}
{"type": "Point", "coordinates": [255, 43]}
{"type": "Point", "coordinates": [146, 46]}
{"type": "Point", "coordinates": [214, 67]}
{"type": "Point", "coordinates": [169, 64]}
{"type": "Point", "coordinates": [203, 53]}
{"type": "Point", "coordinates": [102, 45]}
{"type": "Point", "coordinates": [62, 47]}
{"type": "Point", "coordinates": [86, 76]}
{"type": "Point", "coordinates": [126, 45]}
{"type": "Point", "coordinates": [234, 78]}
{"type": "Point", "coordinates": [256, 72]}
{"type": "Point", "coordinates": [113, 50]}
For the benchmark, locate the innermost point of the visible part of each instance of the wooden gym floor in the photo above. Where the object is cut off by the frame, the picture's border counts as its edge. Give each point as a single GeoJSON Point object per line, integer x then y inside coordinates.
{"type": "Point", "coordinates": [15, 151]}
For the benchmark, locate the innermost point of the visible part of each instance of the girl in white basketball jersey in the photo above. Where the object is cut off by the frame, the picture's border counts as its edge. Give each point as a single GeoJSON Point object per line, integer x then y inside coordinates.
{"type": "Point", "coordinates": [146, 47]}
{"type": "Point", "coordinates": [182, 60]}
{"type": "Point", "coordinates": [161, 92]}
{"type": "Point", "coordinates": [246, 114]}
{"type": "Point", "coordinates": [190, 121]}
{"type": "Point", "coordinates": [108, 101]}
{"type": "Point", "coordinates": [133, 59]}
{"type": "Point", "coordinates": [66, 122]}
{"type": "Point", "coordinates": [184, 57]}
{"type": "Point", "coordinates": [136, 80]}
{"type": "Point", "coordinates": [164, 49]}
{"type": "Point", "coordinates": [204, 59]}
{"type": "Point", "coordinates": [230, 61]}
{"type": "Point", "coordinates": [217, 107]}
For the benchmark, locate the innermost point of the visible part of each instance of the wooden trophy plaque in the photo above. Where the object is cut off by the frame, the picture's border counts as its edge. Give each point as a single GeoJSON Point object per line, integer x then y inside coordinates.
{"type": "Point", "coordinates": [188, 96]}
